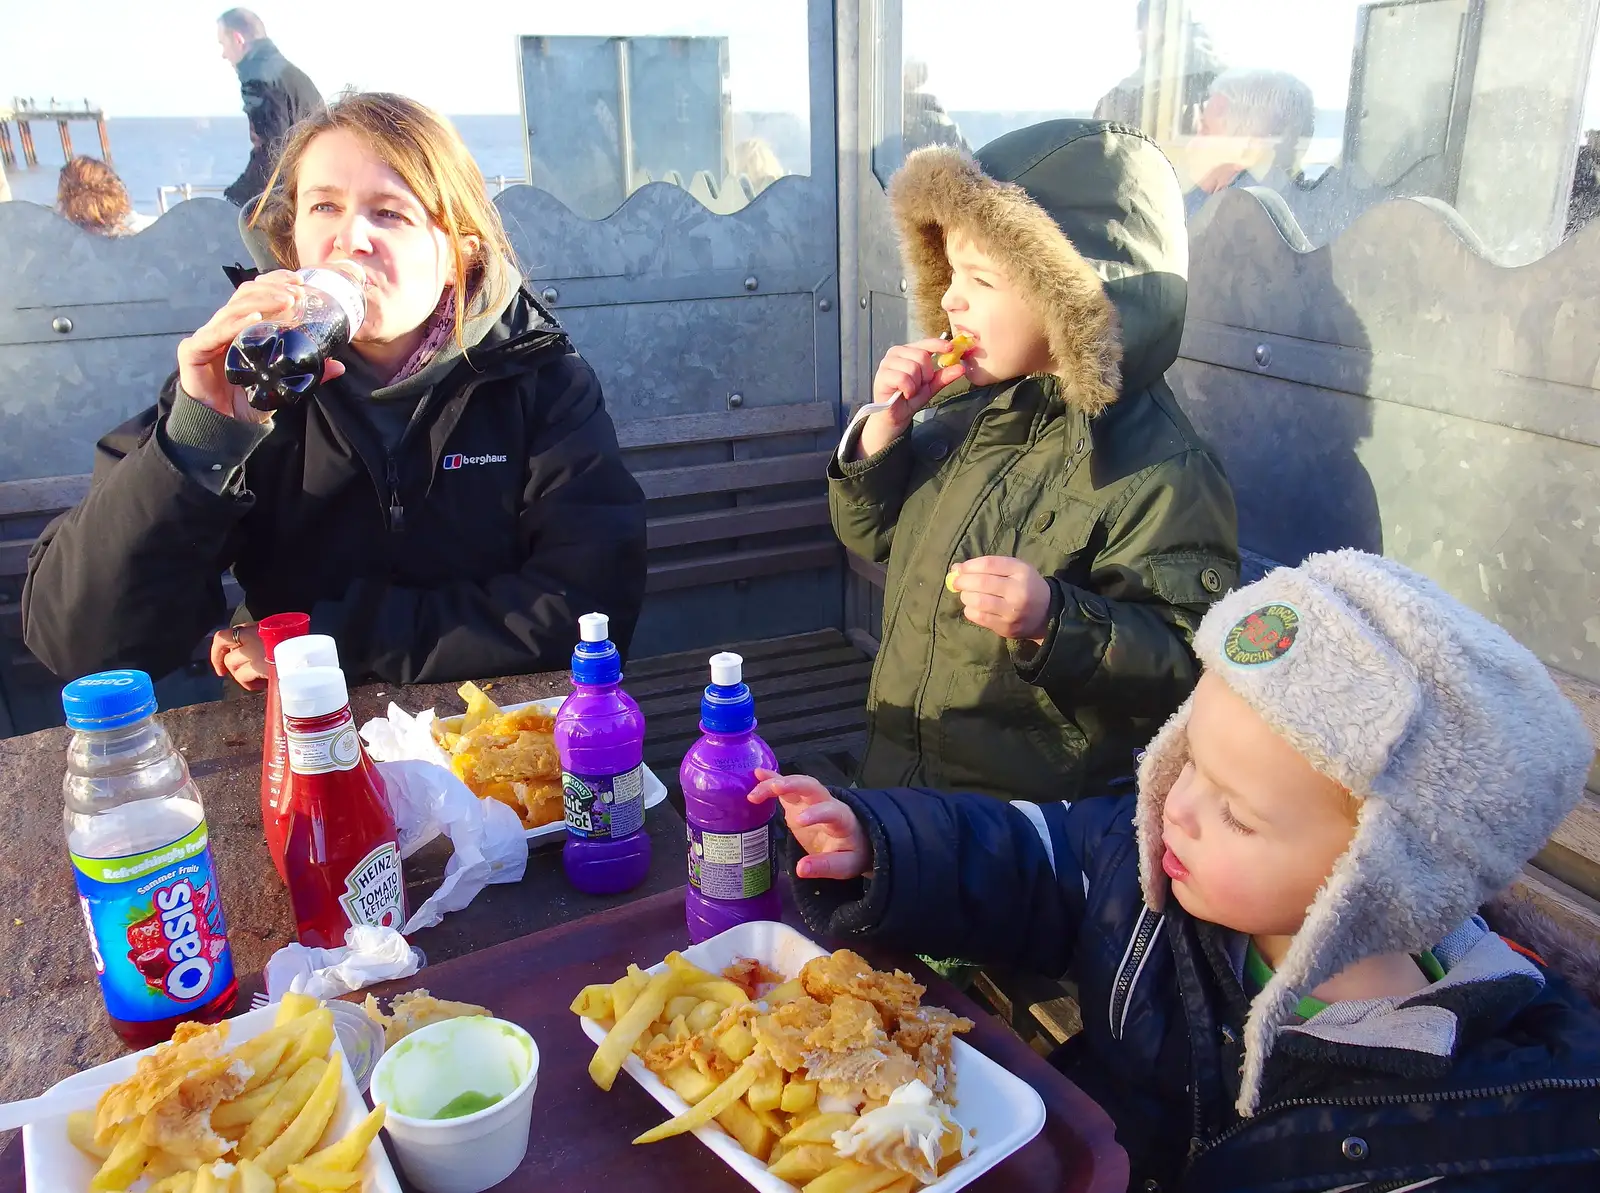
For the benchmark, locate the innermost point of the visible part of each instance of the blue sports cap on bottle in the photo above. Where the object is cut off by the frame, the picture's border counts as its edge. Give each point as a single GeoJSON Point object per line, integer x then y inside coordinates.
{"type": "Point", "coordinates": [108, 700]}
{"type": "Point", "coordinates": [727, 706]}
{"type": "Point", "coordinates": [595, 660]}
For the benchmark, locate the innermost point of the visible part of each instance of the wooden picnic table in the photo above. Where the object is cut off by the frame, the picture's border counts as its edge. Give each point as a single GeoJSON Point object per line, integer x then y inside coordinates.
{"type": "Point", "coordinates": [579, 1139]}
{"type": "Point", "coordinates": [517, 948]}
{"type": "Point", "coordinates": [52, 1022]}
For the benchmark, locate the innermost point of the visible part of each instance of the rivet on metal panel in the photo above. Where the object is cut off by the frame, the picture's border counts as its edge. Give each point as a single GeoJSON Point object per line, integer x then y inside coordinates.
{"type": "Point", "coordinates": [1263, 355]}
{"type": "Point", "coordinates": [902, 285]}
{"type": "Point", "coordinates": [751, 282]}
{"type": "Point", "coordinates": [550, 294]}
{"type": "Point", "coordinates": [824, 305]}
{"type": "Point", "coordinates": [61, 324]}
{"type": "Point", "coordinates": [863, 304]}
{"type": "Point", "coordinates": [735, 401]}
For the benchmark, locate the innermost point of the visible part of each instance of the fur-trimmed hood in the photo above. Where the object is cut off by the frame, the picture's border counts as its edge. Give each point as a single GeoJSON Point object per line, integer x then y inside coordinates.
{"type": "Point", "coordinates": [1087, 217]}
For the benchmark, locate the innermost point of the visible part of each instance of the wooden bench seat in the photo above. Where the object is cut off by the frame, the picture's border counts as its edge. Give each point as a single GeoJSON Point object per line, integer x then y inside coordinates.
{"type": "Point", "coordinates": [732, 497]}
{"type": "Point", "coordinates": [762, 505]}
{"type": "Point", "coordinates": [30, 694]}
{"type": "Point", "coordinates": [811, 699]}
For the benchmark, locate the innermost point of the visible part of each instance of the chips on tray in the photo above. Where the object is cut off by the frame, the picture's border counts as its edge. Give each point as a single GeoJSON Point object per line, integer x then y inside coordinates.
{"type": "Point", "coordinates": [505, 756]}
{"type": "Point", "coordinates": [197, 1117]}
{"type": "Point", "coordinates": [839, 1080]}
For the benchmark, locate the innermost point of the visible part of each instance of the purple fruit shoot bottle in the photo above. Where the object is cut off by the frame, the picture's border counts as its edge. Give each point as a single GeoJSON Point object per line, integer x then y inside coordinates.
{"type": "Point", "coordinates": [599, 734]}
{"type": "Point", "coordinates": [730, 841]}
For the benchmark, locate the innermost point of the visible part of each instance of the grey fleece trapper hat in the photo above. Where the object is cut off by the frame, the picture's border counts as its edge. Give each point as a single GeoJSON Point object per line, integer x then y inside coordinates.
{"type": "Point", "coordinates": [1462, 751]}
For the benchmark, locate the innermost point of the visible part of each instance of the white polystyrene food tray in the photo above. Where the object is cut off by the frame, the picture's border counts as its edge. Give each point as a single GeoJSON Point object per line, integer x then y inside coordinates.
{"type": "Point", "coordinates": [50, 1162]}
{"type": "Point", "coordinates": [1000, 1111]}
{"type": "Point", "coordinates": [654, 789]}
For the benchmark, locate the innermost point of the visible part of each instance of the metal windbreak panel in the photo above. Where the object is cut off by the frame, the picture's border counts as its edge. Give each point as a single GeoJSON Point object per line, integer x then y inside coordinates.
{"type": "Point", "coordinates": [1395, 391]}
{"type": "Point", "coordinates": [690, 248]}
{"type": "Point", "coordinates": [88, 324]}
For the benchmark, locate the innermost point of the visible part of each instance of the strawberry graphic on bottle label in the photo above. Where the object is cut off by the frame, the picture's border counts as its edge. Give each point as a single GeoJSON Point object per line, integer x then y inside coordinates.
{"type": "Point", "coordinates": [147, 949]}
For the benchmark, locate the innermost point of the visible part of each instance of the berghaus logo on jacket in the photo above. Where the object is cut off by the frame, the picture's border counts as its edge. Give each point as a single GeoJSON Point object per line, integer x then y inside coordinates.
{"type": "Point", "coordinates": [457, 460]}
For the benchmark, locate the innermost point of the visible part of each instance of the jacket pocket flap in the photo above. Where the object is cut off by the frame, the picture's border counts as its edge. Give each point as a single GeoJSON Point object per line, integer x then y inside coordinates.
{"type": "Point", "coordinates": [1192, 577]}
{"type": "Point", "coordinates": [1065, 523]}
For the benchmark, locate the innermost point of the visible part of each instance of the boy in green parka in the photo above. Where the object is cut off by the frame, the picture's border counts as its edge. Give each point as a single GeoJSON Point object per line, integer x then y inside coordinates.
{"type": "Point", "coordinates": [1054, 528]}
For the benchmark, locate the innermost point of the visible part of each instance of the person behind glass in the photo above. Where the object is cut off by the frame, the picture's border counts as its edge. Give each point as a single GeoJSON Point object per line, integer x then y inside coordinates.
{"type": "Point", "coordinates": [90, 194]}
{"type": "Point", "coordinates": [1126, 103]}
{"type": "Point", "coordinates": [1254, 129]}
{"type": "Point", "coordinates": [1053, 526]}
{"type": "Point", "coordinates": [276, 94]}
{"type": "Point", "coordinates": [446, 505]}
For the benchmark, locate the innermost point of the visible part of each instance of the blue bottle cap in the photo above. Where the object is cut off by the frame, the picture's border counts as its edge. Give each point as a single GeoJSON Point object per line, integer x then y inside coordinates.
{"type": "Point", "coordinates": [596, 661]}
{"type": "Point", "coordinates": [727, 706]}
{"type": "Point", "coordinates": [108, 700]}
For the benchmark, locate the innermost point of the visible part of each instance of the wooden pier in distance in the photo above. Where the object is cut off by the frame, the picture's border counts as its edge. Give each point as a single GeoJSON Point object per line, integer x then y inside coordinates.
{"type": "Point", "coordinates": [24, 113]}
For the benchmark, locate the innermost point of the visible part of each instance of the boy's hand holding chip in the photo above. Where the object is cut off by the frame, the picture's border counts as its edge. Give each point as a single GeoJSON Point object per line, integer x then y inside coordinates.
{"type": "Point", "coordinates": [1004, 595]}
{"type": "Point", "coordinates": [913, 372]}
{"type": "Point", "coordinates": [835, 843]}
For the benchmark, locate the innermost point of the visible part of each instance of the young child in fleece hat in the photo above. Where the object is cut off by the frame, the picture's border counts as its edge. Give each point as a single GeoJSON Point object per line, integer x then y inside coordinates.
{"type": "Point", "coordinates": [1284, 980]}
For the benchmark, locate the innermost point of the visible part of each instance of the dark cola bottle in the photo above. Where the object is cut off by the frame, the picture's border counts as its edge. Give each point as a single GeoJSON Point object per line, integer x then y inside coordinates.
{"type": "Point", "coordinates": [280, 361]}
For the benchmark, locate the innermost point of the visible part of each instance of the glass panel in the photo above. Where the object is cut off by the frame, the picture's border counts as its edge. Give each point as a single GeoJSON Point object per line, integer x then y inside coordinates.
{"type": "Point", "coordinates": [720, 98]}
{"type": "Point", "coordinates": [706, 95]}
{"type": "Point", "coordinates": [947, 77]}
{"type": "Point", "coordinates": [1478, 105]}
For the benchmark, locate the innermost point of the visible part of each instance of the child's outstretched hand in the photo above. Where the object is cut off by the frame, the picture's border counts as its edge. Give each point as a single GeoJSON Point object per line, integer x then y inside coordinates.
{"type": "Point", "coordinates": [835, 843]}
{"type": "Point", "coordinates": [1004, 595]}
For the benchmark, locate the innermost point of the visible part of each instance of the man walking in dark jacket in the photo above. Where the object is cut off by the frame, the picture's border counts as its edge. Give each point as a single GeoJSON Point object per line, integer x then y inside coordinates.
{"type": "Point", "coordinates": [276, 93]}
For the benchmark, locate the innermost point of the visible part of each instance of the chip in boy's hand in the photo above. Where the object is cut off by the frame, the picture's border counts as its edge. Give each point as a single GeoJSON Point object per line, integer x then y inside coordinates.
{"type": "Point", "coordinates": [959, 347]}
{"type": "Point", "coordinates": [839, 1080]}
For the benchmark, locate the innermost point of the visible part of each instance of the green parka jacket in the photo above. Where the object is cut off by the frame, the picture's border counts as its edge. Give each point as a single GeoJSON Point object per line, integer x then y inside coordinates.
{"type": "Point", "coordinates": [1091, 474]}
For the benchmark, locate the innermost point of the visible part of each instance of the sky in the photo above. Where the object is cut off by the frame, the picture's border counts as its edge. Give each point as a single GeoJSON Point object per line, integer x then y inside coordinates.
{"type": "Point", "coordinates": [1056, 54]}
{"type": "Point", "coordinates": [1077, 50]}
{"type": "Point", "coordinates": [134, 63]}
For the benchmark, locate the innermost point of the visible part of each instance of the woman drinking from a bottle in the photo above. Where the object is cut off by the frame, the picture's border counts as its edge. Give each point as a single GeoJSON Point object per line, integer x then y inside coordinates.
{"type": "Point", "coordinates": [446, 504]}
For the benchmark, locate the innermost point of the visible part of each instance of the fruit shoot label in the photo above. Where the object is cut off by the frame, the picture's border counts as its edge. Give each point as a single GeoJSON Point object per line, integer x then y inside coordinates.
{"type": "Point", "coordinates": [155, 927]}
{"type": "Point", "coordinates": [604, 807]}
{"type": "Point", "coordinates": [730, 865]}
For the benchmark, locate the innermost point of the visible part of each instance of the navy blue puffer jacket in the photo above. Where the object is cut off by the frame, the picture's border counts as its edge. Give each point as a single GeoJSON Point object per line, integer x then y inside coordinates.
{"type": "Point", "coordinates": [1055, 889]}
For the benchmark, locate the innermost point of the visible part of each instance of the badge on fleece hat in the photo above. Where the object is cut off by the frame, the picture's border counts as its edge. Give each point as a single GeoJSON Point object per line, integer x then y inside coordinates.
{"type": "Point", "coordinates": [1264, 635]}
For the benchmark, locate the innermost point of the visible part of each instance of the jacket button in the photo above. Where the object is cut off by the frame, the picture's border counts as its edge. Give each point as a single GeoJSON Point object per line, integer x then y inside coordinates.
{"type": "Point", "coordinates": [1211, 580]}
{"type": "Point", "coordinates": [1354, 1148]}
{"type": "Point", "coordinates": [1150, 1187]}
{"type": "Point", "coordinates": [1094, 609]}
{"type": "Point", "coordinates": [1079, 446]}
{"type": "Point", "coordinates": [1042, 522]}
{"type": "Point", "coordinates": [938, 450]}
